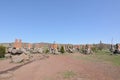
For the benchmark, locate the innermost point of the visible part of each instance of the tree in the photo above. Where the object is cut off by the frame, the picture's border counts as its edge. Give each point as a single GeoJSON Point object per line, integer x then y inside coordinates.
{"type": "Point", "coordinates": [2, 51]}
{"type": "Point", "coordinates": [47, 51]}
{"type": "Point", "coordinates": [94, 48]}
{"type": "Point", "coordinates": [101, 46]}
{"type": "Point", "coordinates": [62, 50]}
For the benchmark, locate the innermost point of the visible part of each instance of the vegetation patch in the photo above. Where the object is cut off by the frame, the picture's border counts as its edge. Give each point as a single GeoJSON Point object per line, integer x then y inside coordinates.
{"type": "Point", "coordinates": [2, 58]}
{"type": "Point", "coordinates": [68, 74]}
{"type": "Point", "coordinates": [62, 50]}
{"type": "Point", "coordinates": [2, 51]}
{"type": "Point", "coordinates": [102, 56]}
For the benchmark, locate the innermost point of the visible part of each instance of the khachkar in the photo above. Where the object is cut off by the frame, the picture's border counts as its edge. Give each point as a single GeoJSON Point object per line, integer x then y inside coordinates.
{"type": "Point", "coordinates": [29, 46]}
{"type": "Point", "coordinates": [77, 48]}
{"type": "Point", "coordinates": [54, 47]}
{"type": "Point", "coordinates": [24, 45]}
{"type": "Point", "coordinates": [87, 49]}
{"type": "Point", "coordinates": [117, 49]}
{"type": "Point", "coordinates": [18, 44]}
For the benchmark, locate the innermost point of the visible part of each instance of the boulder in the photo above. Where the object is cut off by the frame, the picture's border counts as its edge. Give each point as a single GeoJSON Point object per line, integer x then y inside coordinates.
{"type": "Point", "coordinates": [25, 56]}
{"type": "Point", "coordinates": [23, 50]}
{"type": "Point", "coordinates": [20, 58]}
{"type": "Point", "coordinates": [19, 51]}
{"type": "Point", "coordinates": [40, 50]}
{"type": "Point", "coordinates": [17, 59]}
{"type": "Point", "coordinates": [14, 51]}
{"type": "Point", "coordinates": [55, 51]}
{"type": "Point", "coordinates": [9, 50]}
{"type": "Point", "coordinates": [70, 50]}
{"type": "Point", "coordinates": [8, 55]}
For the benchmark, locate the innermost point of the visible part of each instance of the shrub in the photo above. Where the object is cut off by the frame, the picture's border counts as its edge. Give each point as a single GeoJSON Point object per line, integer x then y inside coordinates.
{"type": "Point", "coordinates": [2, 51]}
{"type": "Point", "coordinates": [62, 50]}
{"type": "Point", "coordinates": [47, 51]}
{"type": "Point", "coordinates": [94, 49]}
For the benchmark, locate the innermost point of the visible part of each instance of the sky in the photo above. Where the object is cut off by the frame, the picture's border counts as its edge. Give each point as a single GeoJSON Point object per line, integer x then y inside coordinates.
{"type": "Point", "coordinates": [62, 21]}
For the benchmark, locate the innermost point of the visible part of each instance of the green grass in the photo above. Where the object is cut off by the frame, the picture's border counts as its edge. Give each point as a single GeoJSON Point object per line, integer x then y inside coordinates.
{"type": "Point", "coordinates": [103, 56]}
{"type": "Point", "coordinates": [68, 74]}
{"type": "Point", "coordinates": [65, 75]}
{"type": "Point", "coordinates": [2, 58]}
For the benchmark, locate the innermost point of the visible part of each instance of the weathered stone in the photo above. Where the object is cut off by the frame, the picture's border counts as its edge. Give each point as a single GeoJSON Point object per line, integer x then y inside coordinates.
{"type": "Point", "coordinates": [70, 50]}
{"type": "Point", "coordinates": [87, 49]}
{"type": "Point", "coordinates": [35, 50]}
{"type": "Point", "coordinates": [55, 51]}
{"type": "Point", "coordinates": [17, 59]}
{"type": "Point", "coordinates": [24, 56]}
{"type": "Point", "coordinates": [40, 50]}
{"type": "Point", "coordinates": [9, 50]}
{"type": "Point", "coordinates": [117, 49]}
{"type": "Point", "coordinates": [19, 51]}
{"type": "Point", "coordinates": [8, 55]}
{"type": "Point", "coordinates": [23, 50]}
{"type": "Point", "coordinates": [18, 43]}
{"type": "Point", "coordinates": [20, 58]}
{"type": "Point", "coordinates": [14, 51]}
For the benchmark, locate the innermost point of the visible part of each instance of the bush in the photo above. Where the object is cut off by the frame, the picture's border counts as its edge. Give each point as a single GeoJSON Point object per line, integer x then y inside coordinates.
{"type": "Point", "coordinates": [94, 49]}
{"type": "Point", "coordinates": [62, 50]}
{"type": "Point", "coordinates": [2, 51]}
{"type": "Point", "coordinates": [47, 51]}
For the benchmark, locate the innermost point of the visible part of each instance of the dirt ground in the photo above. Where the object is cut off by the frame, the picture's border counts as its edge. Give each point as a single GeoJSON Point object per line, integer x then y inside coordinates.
{"type": "Point", "coordinates": [59, 67]}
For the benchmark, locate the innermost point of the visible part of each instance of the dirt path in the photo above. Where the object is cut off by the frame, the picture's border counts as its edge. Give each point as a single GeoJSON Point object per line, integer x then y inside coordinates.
{"type": "Point", "coordinates": [64, 67]}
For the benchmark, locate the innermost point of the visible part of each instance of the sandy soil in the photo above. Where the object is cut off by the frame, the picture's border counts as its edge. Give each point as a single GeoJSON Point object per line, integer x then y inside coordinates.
{"type": "Point", "coordinates": [53, 67]}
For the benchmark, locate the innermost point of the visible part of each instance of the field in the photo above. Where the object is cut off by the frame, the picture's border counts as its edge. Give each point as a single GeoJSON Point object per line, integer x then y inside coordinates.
{"type": "Point", "coordinates": [98, 66]}
{"type": "Point", "coordinates": [103, 56]}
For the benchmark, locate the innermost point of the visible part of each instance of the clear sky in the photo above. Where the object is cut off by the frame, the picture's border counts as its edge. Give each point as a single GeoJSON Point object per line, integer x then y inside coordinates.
{"type": "Point", "coordinates": [63, 21]}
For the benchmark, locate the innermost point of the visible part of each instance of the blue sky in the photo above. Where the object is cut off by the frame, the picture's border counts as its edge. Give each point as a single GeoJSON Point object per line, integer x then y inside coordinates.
{"type": "Point", "coordinates": [63, 21]}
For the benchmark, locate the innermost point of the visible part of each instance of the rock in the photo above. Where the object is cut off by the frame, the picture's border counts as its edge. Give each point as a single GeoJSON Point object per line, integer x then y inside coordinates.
{"type": "Point", "coordinates": [55, 51]}
{"type": "Point", "coordinates": [19, 51]}
{"type": "Point", "coordinates": [14, 51]}
{"type": "Point", "coordinates": [20, 58]}
{"type": "Point", "coordinates": [17, 59]}
{"type": "Point", "coordinates": [51, 50]}
{"type": "Point", "coordinates": [88, 51]}
{"type": "Point", "coordinates": [34, 50]}
{"type": "Point", "coordinates": [24, 56]}
{"type": "Point", "coordinates": [9, 50]}
{"type": "Point", "coordinates": [70, 50]}
{"type": "Point", "coordinates": [40, 50]}
{"type": "Point", "coordinates": [8, 55]}
{"type": "Point", "coordinates": [23, 50]}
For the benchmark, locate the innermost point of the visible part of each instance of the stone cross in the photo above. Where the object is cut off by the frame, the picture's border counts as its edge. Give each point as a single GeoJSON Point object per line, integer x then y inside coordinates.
{"type": "Point", "coordinates": [18, 43]}
{"type": "Point", "coordinates": [29, 46]}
